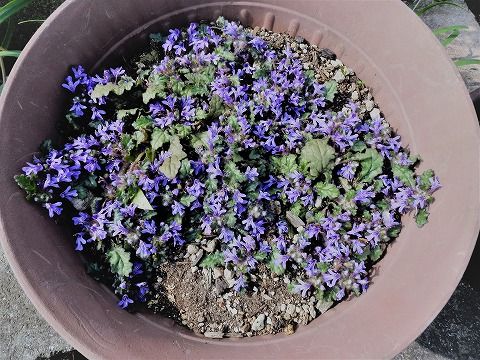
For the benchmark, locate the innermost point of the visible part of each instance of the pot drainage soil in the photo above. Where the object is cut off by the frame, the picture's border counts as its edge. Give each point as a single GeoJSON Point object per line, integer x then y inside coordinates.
{"type": "Point", "coordinates": [237, 180]}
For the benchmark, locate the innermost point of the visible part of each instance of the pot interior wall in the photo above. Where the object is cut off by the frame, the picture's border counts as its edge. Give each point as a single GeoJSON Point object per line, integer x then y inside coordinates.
{"type": "Point", "coordinates": [403, 298]}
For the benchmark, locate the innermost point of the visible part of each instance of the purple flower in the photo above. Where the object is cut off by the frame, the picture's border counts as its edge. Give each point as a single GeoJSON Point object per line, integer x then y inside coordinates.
{"type": "Point", "coordinates": [53, 209]}
{"type": "Point", "coordinates": [117, 72]}
{"type": "Point", "coordinates": [347, 171]}
{"type": "Point", "coordinates": [71, 85]}
{"type": "Point", "coordinates": [434, 184]}
{"type": "Point", "coordinates": [125, 302]}
{"type": "Point", "coordinates": [32, 169]}
{"type": "Point", "coordinates": [80, 241]}
{"type": "Point", "coordinates": [364, 196]}
{"type": "Point", "coordinates": [144, 249]}
{"type": "Point", "coordinates": [302, 288]}
{"type": "Point", "coordinates": [77, 108]}
{"type": "Point", "coordinates": [50, 181]}
{"type": "Point", "coordinates": [149, 227]}
{"type": "Point", "coordinates": [331, 278]}
{"type": "Point", "coordinates": [251, 173]}
{"type": "Point", "coordinates": [281, 260]}
{"type": "Point", "coordinates": [137, 268]}
{"type": "Point", "coordinates": [142, 291]}
{"type": "Point", "coordinates": [69, 193]}
{"type": "Point", "coordinates": [178, 208]}
{"type": "Point", "coordinates": [240, 283]}
{"type": "Point", "coordinates": [97, 114]}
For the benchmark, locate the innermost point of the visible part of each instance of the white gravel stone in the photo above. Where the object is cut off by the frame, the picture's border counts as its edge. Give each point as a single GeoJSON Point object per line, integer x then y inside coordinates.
{"type": "Point", "coordinates": [259, 323]}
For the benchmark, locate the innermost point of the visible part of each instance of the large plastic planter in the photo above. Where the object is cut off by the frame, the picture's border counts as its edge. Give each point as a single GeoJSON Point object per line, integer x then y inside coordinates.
{"type": "Point", "coordinates": [420, 93]}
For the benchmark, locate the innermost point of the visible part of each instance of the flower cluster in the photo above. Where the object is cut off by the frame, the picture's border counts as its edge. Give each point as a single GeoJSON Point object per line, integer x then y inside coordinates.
{"type": "Point", "coordinates": [215, 135]}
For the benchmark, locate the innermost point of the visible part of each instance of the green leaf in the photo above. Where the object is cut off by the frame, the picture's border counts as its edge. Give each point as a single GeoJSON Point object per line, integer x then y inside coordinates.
{"type": "Point", "coordinates": [141, 201]}
{"type": "Point", "coordinates": [234, 173]}
{"type": "Point", "coordinates": [330, 90]}
{"type": "Point", "coordinates": [139, 136]}
{"type": "Point", "coordinates": [171, 165]}
{"type": "Point", "coordinates": [26, 183]}
{"type": "Point", "coordinates": [293, 219]}
{"type": "Point", "coordinates": [359, 146]}
{"type": "Point", "coordinates": [124, 84]}
{"type": "Point", "coordinates": [325, 190]}
{"type": "Point", "coordinates": [260, 255]}
{"type": "Point", "coordinates": [285, 164]}
{"type": "Point", "coordinates": [185, 168]}
{"type": "Point", "coordinates": [425, 179]}
{"type": "Point", "coordinates": [434, 4]}
{"type": "Point", "coordinates": [404, 174]}
{"type": "Point", "coordinates": [142, 122]}
{"type": "Point", "coordinates": [371, 164]}
{"type": "Point", "coordinates": [225, 54]}
{"type": "Point", "coordinates": [212, 260]}
{"type": "Point", "coordinates": [122, 114]}
{"type": "Point", "coordinates": [215, 107]}
{"type": "Point", "coordinates": [156, 88]}
{"type": "Point", "coordinates": [119, 261]}
{"type": "Point", "coordinates": [422, 217]}
{"type": "Point", "coordinates": [9, 53]}
{"type": "Point", "coordinates": [159, 138]}
{"type": "Point", "coordinates": [376, 253]}
{"type": "Point", "coordinates": [277, 269]}
{"type": "Point", "coordinates": [198, 82]}
{"type": "Point", "coordinates": [11, 8]}
{"type": "Point", "coordinates": [200, 140]}
{"type": "Point", "coordinates": [452, 31]}
{"type": "Point", "coordinates": [316, 156]}
{"type": "Point", "coordinates": [394, 231]}
{"type": "Point", "coordinates": [467, 61]}
{"type": "Point", "coordinates": [187, 200]}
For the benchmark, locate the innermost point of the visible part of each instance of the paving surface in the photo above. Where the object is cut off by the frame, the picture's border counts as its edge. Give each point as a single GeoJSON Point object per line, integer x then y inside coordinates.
{"type": "Point", "coordinates": [455, 333]}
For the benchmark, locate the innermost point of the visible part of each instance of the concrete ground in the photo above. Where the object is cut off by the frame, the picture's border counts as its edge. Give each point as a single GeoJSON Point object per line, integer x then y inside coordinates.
{"type": "Point", "coordinates": [455, 333]}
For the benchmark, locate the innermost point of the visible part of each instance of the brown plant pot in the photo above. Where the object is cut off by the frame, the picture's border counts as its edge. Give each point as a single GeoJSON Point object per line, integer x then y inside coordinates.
{"type": "Point", "coordinates": [419, 91]}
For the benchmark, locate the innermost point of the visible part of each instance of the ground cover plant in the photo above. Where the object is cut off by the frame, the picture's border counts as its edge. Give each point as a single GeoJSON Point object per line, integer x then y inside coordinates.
{"type": "Point", "coordinates": [237, 180]}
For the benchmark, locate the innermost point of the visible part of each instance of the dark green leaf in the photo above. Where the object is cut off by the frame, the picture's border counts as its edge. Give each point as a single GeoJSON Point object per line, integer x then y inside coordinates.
{"type": "Point", "coordinates": [466, 61]}
{"type": "Point", "coordinates": [11, 8]}
{"type": "Point", "coordinates": [159, 138]}
{"type": "Point", "coordinates": [422, 217]}
{"type": "Point", "coordinates": [316, 156]}
{"type": "Point", "coordinates": [156, 88]}
{"type": "Point", "coordinates": [425, 179]}
{"type": "Point", "coordinates": [394, 231]}
{"type": "Point", "coordinates": [142, 122]}
{"type": "Point", "coordinates": [9, 53]}
{"type": "Point", "coordinates": [325, 190]}
{"type": "Point", "coordinates": [330, 90]}
{"type": "Point", "coordinates": [212, 260]}
{"type": "Point", "coordinates": [285, 164]}
{"type": "Point", "coordinates": [371, 164]}
{"type": "Point", "coordinates": [119, 261]}
{"type": "Point", "coordinates": [359, 146]}
{"type": "Point", "coordinates": [404, 174]}
{"type": "Point", "coordinates": [26, 183]}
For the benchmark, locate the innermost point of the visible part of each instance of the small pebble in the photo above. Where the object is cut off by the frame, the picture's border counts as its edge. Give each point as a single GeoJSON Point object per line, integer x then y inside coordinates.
{"type": "Point", "coordinates": [339, 76]}
{"type": "Point", "coordinates": [217, 273]}
{"type": "Point", "coordinates": [290, 309]}
{"type": "Point", "coordinates": [195, 258]}
{"type": "Point", "coordinates": [192, 249]}
{"type": "Point", "coordinates": [369, 104]}
{"type": "Point", "coordinates": [375, 114]}
{"type": "Point", "coordinates": [259, 323]}
{"type": "Point", "coordinates": [214, 334]}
